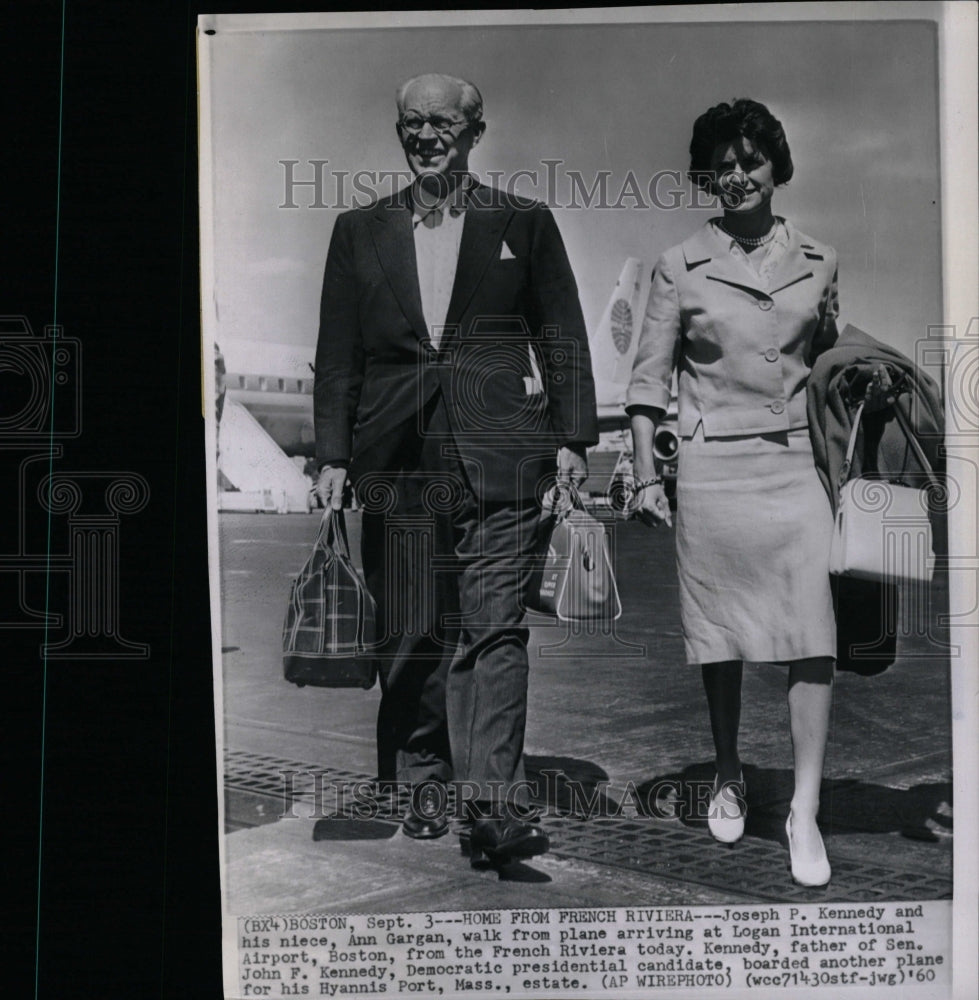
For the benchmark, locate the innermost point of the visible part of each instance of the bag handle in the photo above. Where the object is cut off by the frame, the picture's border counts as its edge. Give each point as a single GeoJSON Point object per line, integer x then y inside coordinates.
{"type": "Point", "coordinates": [851, 445]}
{"type": "Point", "coordinates": [558, 506]}
{"type": "Point", "coordinates": [917, 449]}
{"type": "Point", "coordinates": [908, 433]}
{"type": "Point", "coordinates": [332, 533]}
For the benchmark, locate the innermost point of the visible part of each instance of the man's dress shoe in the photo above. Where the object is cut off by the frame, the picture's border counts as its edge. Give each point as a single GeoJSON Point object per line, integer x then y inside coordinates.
{"type": "Point", "coordinates": [425, 818]}
{"type": "Point", "coordinates": [503, 840]}
{"type": "Point", "coordinates": [424, 827]}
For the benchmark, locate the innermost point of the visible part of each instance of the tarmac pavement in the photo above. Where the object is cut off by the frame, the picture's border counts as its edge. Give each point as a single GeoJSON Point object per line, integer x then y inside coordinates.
{"type": "Point", "coordinates": [620, 714]}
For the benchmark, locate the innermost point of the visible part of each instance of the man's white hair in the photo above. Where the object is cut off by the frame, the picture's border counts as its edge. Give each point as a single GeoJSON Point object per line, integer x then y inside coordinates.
{"type": "Point", "coordinates": [471, 101]}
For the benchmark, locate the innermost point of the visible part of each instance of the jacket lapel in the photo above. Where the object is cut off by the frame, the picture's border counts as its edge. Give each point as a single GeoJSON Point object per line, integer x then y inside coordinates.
{"type": "Point", "coordinates": [486, 221]}
{"type": "Point", "coordinates": [708, 251]}
{"type": "Point", "coordinates": [394, 243]}
{"type": "Point", "coordinates": [796, 263]}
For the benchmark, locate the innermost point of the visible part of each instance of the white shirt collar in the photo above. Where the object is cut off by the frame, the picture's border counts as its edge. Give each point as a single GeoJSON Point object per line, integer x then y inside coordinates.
{"type": "Point", "coordinates": [456, 200]}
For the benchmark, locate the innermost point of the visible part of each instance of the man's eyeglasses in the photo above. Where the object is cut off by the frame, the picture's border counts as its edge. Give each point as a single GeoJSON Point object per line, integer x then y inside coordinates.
{"type": "Point", "coordinates": [413, 124]}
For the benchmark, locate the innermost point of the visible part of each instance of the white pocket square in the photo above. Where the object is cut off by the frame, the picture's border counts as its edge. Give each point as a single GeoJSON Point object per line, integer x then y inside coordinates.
{"type": "Point", "coordinates": [505, 253]}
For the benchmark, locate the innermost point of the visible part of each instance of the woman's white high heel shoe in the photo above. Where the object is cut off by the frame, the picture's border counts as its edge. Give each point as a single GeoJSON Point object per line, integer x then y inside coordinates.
{"type": "Point", "coordinates": [725, 815]}
{"type": "Point", "coordinates": [808, 873]}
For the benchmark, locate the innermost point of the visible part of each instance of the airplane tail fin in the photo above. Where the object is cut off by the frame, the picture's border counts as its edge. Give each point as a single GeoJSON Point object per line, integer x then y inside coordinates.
{"type": "Point", "coordinates": [614, 341]}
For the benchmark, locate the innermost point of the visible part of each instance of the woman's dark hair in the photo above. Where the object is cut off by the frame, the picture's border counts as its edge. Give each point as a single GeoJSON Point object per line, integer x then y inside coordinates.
{"type": "Point", "coordinates": [725, 122]}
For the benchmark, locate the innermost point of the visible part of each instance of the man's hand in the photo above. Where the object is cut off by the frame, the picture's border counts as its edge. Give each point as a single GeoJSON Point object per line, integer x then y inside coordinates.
{"type": "Point", "coordinates": [572, 466]}
{"type": "Point", "coordinates": [329, 487]}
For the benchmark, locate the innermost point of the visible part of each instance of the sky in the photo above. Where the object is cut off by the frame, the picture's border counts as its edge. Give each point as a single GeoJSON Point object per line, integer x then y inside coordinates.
{"type": "Point", "coordinates": [858, 101]}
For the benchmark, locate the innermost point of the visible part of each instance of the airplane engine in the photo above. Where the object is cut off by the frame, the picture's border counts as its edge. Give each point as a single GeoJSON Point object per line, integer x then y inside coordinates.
{"type": "Point", "coordinates": [666, 444]}
{"type": "Point", "coordinates": [666, 448]}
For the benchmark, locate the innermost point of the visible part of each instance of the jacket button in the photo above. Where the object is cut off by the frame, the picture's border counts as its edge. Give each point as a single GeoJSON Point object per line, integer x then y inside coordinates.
{"type": "Point", "coordinates": [771, 354]}
{"type": "Point", "coordinates": [777, 406]}
{"type": "Point", "coordinates": [765, 304]}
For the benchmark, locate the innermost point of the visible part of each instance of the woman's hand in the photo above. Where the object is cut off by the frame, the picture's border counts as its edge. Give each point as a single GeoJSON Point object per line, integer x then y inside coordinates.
{"type": "Point", "coordinates": [881, 391]}
{"type": "Point", "coordinates": [652, 506]}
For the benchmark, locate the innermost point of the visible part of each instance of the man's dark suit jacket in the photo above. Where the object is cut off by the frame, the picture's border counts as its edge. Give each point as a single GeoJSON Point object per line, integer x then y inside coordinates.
{"type": "Point", "coordinates": [376, 367]}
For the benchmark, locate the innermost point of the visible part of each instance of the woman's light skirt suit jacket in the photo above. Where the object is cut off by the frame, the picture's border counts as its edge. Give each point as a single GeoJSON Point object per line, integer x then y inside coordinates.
{"type": "Point", "coordinates": [753, 520]}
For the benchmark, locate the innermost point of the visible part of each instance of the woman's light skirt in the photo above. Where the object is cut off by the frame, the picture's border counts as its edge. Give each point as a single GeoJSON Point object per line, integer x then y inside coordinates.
{"type": "Point", "coordinates": [753, 533]}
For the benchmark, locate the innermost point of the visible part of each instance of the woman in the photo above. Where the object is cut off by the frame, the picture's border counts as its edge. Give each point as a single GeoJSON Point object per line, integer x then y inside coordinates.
{"type": "Point", "coordinates": [741, 309]}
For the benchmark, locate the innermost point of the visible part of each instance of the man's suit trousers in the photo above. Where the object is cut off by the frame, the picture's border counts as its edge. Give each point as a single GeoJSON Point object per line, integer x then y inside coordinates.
{"type": "Point", "coordinates": [449, 572]}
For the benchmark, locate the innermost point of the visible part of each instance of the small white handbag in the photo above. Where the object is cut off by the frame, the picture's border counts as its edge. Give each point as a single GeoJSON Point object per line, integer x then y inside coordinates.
{"type": "Point", "coordinates": [882, 529]}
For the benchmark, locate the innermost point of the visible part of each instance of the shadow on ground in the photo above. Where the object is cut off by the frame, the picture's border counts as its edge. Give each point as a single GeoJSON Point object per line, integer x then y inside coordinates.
{"type": "Point", "coordinates": [922, 812]}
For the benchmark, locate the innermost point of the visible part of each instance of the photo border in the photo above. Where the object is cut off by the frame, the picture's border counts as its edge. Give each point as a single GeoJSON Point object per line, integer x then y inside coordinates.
{"type": "Point", "coordinates": [957, 87]}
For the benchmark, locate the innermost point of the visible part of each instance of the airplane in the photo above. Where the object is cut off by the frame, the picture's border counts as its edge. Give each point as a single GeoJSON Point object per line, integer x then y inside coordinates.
{"type": "Point", "coordinates": [274, 384]}
{"type": "Point", "coordinates": [613, 346]}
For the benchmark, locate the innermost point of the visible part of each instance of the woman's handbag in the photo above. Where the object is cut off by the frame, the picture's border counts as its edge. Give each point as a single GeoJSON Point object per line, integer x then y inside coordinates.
{"type": "Point", "coordinates": [882, 530]}
{"type": "Point", "coordinates": [574, 580]}
{"type": "Point", "coordinates": [329, 624]}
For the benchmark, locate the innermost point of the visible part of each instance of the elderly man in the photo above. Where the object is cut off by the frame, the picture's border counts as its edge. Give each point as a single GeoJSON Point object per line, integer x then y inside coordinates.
{"type": "Point", "coordinates": [452, 381]}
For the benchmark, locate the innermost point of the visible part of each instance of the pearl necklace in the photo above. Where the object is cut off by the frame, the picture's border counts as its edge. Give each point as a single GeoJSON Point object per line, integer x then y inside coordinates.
{"type": "Point", "coordinates": [751, 241]}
